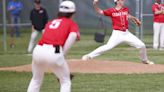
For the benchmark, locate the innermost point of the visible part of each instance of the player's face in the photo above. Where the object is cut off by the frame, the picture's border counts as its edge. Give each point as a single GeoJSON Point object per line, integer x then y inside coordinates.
{"type": "Point", "coordinates": [158, 1]}
{"type": "Point", "coordinates": [37, 6]}
{"type": "Point", "coordinates": [121, 2]}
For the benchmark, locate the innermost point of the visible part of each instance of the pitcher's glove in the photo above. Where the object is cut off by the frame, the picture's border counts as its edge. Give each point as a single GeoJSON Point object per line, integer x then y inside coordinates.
{"type": "Point", "coordinates": [136, 21]}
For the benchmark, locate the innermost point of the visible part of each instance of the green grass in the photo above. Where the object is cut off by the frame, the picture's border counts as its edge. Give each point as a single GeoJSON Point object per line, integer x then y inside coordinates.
{"type": "Point", "coordinates": [14, 60]}
{"type": "Point", "coordinates": [17, 56]}
{"type": "Point", "coordinates": [18, 82]}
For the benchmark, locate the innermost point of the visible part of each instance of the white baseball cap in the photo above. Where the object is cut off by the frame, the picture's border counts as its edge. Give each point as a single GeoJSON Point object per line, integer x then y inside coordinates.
{"type": "Point", "coordinates": [67, 7]}
{"type": "Point", "coordinates": [115, 0]}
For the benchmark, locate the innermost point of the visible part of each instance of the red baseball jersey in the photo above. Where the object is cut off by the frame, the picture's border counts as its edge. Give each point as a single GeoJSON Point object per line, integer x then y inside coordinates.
{"type": "Point", "coordinates": [157, 17]}
{"type": "Point", "coordinates": [119, 18]}
{"type": "Point", "coordinates": [58, 30]}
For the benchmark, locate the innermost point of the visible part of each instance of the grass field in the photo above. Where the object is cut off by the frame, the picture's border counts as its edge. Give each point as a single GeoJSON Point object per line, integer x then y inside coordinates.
{"type": "Point", "coordinates": [18, 82]}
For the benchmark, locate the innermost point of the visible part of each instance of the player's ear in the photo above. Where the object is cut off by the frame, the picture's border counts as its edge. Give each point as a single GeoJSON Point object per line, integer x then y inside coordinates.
{"type": "Point", "coordinates": [115, 3]}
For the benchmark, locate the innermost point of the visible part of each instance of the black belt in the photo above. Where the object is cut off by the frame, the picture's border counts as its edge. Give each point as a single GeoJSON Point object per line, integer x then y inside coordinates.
{"type": "Point", "coordinates": [57, 47]}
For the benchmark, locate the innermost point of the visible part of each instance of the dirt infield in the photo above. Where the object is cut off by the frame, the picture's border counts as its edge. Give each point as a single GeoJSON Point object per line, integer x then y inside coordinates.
{"type": "Point", "coordinates": [114, 67]}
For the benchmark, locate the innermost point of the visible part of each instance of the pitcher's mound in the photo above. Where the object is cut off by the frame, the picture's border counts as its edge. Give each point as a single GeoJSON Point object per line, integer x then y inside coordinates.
{"type": "Point", "coordinates": [78, 66]}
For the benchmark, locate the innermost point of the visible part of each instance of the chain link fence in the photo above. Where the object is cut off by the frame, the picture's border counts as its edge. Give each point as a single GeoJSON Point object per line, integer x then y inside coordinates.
{"type": "Point", "coordinates": [86, 17]}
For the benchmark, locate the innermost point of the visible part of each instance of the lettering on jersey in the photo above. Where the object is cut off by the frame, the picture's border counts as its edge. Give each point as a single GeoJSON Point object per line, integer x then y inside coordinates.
{"type": "Point", "coordinates": [119, 14]}
{"type": "Point", "coordinates": [55, 24]}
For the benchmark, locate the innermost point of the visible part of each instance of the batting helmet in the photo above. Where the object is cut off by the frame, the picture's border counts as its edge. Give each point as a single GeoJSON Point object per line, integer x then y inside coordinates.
{"type": "Point", "coordinates": [67, 7]}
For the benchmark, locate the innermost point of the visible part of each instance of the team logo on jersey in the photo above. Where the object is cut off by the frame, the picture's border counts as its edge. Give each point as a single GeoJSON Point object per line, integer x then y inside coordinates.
{"type": "Point", "coordinates": [41, 11]}
{"type": "Point", "coordinates": [120, 14]}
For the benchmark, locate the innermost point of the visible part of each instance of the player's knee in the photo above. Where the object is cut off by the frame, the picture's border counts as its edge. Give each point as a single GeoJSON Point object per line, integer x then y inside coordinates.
{"type": "Point", "coordinates": [142, 45]}
{"type": "Point", "coordinates": [65, 82]}
{"type": "Point", "coordinates": [36, 82]}
{"type": "Point", "coordinates": [68, 83]}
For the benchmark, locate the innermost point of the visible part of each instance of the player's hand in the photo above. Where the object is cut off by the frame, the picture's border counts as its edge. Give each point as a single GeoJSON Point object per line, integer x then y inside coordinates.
{"type": "Point", "coordinates": [33, 29]}
{"type": "Point", "coordinates": [95, 1]}
{"type": "Point", "coordinates": [136, 21]}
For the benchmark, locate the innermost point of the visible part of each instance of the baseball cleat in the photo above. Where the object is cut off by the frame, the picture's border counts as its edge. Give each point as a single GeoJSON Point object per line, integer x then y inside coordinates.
{"type": "Point", "coordinates": [86, 58]}
{"type": "Point", "coordinates": [148, 62]}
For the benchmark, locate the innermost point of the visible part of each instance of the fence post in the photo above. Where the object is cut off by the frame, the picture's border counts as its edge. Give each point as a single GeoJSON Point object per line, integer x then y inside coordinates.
{"type": "Point", "coordinates": [4, 26]}
{"type": "Point", "coordinates": [141, 16]}
{"type": "Point", "coordinates": [138, 16]}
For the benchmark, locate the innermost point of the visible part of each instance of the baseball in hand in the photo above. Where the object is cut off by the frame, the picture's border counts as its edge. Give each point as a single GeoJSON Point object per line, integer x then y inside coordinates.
{"type": "Point", "coordinates": [95, 1]}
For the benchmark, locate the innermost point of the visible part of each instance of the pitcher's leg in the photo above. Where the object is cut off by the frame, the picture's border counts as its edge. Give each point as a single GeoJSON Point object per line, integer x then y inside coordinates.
{"type": "Point", "coordinates": [156, 35]}
{"type": "Point", "coordinates": [137, 43]}
{"type": "Point", "coordinates": [36, 81]}
{"type": "Point", "coordinates": [63, 73]}
{"type": "Point", "coordinates": [114, 40]}
{"type": "Point", "coordinates": [32, 41]}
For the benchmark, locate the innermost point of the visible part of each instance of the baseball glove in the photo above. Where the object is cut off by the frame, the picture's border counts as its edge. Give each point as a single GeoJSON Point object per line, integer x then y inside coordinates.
{"type": "Point", "coordinates": [136, 21]}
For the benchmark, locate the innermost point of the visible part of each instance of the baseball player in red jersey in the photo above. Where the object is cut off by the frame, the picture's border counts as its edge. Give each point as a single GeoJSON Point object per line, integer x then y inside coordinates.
{"type": "Point", "coordinates": [158, 11]}
{"type": "Point", "coordinates": [119, 16]}
{"type": "Point", "coordinates": [59, 36]}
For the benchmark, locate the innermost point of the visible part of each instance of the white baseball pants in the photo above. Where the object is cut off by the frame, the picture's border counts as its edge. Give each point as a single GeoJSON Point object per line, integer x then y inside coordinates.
{"type": "Point", "coordinates": [158, 35]}
{"type": "Point", "coordinates": [34, 35]}
{"type": "Point", "coordinates": [118, 37]}
{"type": "Point", "coordinates": [45, 57]}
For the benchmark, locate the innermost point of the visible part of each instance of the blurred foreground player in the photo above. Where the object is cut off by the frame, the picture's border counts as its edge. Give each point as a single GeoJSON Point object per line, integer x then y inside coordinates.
{"type": "Point", "coordinates": [119, 15]}
{"type": "Point", "coordinates": [59, 36]}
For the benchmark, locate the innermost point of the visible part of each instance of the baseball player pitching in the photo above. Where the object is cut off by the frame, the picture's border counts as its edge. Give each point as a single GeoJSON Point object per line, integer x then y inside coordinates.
{"type": "Point", "coordinates": [119, 16]}
{"type": "Point", "coordinates": [158, 10]}
{"type": "Point", "coordinates": [59, 36]}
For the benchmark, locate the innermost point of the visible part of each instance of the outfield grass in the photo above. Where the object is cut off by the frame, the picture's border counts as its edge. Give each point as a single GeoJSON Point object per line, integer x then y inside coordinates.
{"type": "Point", "coordinates": [18, 82]}
{"type": "Point", "coordinates": [17, 56]}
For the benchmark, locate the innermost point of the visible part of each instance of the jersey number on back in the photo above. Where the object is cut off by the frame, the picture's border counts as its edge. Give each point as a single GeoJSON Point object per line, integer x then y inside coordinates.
{"type": "Point", "coordinates": [55, 24]}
